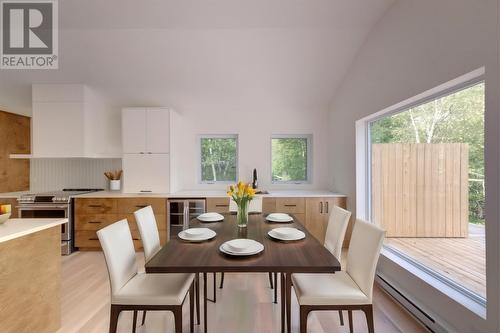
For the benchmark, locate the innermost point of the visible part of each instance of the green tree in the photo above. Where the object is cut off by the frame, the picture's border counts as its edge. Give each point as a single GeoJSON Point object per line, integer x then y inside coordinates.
{"type": "Point", "coordinates": [218, 159]}
{"type": "Point", "coordinates": [289, 159]}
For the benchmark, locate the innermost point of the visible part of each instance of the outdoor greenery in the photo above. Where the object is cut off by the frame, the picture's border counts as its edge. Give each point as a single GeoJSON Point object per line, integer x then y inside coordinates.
{"type": "Point", "coordinates": [218, 159]}
{"type": "Point", "coordinates": [289, 159]}
{"type": "Point", "coordinates": [455, 118]}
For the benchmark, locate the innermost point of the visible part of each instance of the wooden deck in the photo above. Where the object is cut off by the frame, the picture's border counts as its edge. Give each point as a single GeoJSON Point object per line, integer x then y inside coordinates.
{"type": "Point", "coordinates": [461, 259]}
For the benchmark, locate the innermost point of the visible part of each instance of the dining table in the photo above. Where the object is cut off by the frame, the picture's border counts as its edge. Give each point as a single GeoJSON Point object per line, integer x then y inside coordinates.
{"type": "Point", "coordinates": [307, 255]}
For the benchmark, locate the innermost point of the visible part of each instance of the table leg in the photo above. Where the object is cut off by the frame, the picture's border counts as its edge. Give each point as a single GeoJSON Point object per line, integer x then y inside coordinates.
{"type": "Point", "coordinates": [288, 291]}
{"type": "Point", "coordinates": [205, 329]}
{"type": "Point", "coordinates": [282, 301]}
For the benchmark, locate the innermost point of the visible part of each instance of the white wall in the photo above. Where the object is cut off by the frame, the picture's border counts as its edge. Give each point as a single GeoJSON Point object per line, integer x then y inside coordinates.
{"type": "Point", "coordinates": [416, 46]}
{"type": "Point", "coordinates": [254, 126]}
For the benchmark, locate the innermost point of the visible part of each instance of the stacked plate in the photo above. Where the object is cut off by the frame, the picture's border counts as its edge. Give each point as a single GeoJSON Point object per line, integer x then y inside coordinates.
{"type": "Point", "coordinates": [210, 217]}
{"type": "Point", "coordinates": [197, 234]}
{"type": "Point", "coordinates": [286, 234]}
{"type": "Point", "coordinates": [279, 218]}
{"type": "Point", "coordinates": [241, 247]}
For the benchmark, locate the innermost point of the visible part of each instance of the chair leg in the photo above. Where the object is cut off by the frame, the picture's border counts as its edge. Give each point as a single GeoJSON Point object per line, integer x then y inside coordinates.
{"type": "Point", "coordinates": [304, 312]}
{"type": "Point", "coordinates": [351, 328]}
{"type": "Point", "coordinates": [221, 280]}
{"type": "Point", "coordinates": [215, 288]}
{"type": "Point", "coordinates": [368, 310]}
{"type": "Point", "coordinates": [275, 288]}
{"type": "Point", "coordinates": [134, 321]}
{"type": "Point", "coordinates": [191, 308]}
{"type": "Point", "coordinates": [341, 317]}
{"type": "Point", "coordinates": [143, 317]}
{"type": "Point", "coordinates": [288, 297]}
{"type": "Point", "coordinates": [178, 319]}
{"type": "Point", "coordinates": [113, 318]}
{"type": "Point", "coordinates": [271, 280]}
{"type": "Point", "coordinates": [197, 287]}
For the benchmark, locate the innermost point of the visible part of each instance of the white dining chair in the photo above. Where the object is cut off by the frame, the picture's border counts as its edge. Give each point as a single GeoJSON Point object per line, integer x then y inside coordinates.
{"type": "Point", "coordinates": [349, 290]}
{"type": "Point", "coordinates": [148, 229]}
{"type": "Point", "coordinates": [134, 291]}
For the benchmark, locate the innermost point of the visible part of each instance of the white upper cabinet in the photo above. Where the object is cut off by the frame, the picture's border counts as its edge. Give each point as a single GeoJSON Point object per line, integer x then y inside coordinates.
{"type": "Point", "coordinates": [158, 131]}
{"type": "Point", "coordinates": [146, 130]}
{"type": "Point", "coordinates": [146, 173]}
{"type": "Point", "coordinates": [70, 120]}
{"type": "Point", "coordinates": [134, 130]}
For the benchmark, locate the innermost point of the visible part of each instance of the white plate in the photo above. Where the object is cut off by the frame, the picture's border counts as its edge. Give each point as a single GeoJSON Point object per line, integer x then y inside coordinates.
{"type": "Point", "coordinates": [287, 235]}
{"type": "Point", "coordinates": [210, 217]}
{"type": "Point", "coordinates": [208, 234]}
{"type": "Point", "coordinates": [239, 245]}
{"type": "Point", "coordinates": [279, 217]}
{"type": "Point", "coordinates": [195, 232]}
{"type": "Point", "coordinates": [254, 248]}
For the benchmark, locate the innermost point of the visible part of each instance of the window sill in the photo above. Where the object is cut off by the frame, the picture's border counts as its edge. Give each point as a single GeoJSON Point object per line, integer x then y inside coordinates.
{"type": "Point", "coordinates": [439, 284]}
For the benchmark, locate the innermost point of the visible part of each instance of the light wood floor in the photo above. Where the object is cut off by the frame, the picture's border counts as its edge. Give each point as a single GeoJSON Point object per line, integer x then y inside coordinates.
{"type": "Point", "coordinates": [461, 259]}
{"type": "Point", "coordinates": [244, 305]}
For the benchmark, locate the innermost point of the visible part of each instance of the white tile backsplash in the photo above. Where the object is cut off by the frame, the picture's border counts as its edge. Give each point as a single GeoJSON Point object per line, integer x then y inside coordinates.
{"type": "Point", "coordinates": [47, 174]}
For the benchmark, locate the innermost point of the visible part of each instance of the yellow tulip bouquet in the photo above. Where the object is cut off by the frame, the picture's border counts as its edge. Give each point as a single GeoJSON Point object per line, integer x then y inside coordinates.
{"type": "Point", "coordinates": [242, 193]}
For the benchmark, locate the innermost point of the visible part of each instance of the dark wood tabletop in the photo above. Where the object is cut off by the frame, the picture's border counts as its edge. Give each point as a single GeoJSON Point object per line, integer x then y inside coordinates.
{"type": "Point", "coordinates": [302, 256]}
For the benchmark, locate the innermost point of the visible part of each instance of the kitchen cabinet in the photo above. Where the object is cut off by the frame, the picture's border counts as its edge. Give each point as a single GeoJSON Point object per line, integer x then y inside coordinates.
{"type": "Point", "coordinates": [92, 214]}
{"type": "Point", "coordinates": [146, 130]}
{"type": "Point", "coordinates": [218, 205]}
{"type": "Point", "coordinates": [317, 213]}
{"type": "Point", "coordinates": [146, 173]}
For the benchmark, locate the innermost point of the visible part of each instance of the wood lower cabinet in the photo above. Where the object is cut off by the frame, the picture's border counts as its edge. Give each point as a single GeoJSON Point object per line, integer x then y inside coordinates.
{"type": "Point", "coordinates": [14, 214]}
{"type": "Point", "coordinates": [92, 214]}
{"type": "Point", "coordinates": [218, 205]}
{"type": "Point", "coordinates": [317, 213]}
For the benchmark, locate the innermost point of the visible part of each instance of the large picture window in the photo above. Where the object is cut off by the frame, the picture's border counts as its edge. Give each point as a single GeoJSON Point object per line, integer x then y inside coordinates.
{"type": "Point", "coordinates": [291, 156]}
{"type": "Point", "coordinates": [427, 185]}
{"type": "Point", "coordinates": [218, 158]}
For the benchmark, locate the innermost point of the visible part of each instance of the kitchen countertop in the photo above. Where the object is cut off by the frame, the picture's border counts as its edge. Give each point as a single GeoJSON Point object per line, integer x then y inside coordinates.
{"type": "Point", "coordinates": [15, 228]}
{"type": "Point", "coordinates": [13, 194]}
{"type": "Point", "coordinates": [209, 194]}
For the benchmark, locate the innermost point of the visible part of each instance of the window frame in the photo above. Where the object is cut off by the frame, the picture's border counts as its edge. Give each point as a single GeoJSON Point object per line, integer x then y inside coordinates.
{"type": "Point", "coordinates": [363, 186]}
{"type": "Point", "coordinates": [217, 136]}
{"type": "Point", "coordinates": [309, 145]}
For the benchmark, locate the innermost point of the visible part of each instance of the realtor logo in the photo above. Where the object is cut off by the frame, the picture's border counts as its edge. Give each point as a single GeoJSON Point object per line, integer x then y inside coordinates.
{"type": "Point", "coordinates": [29, 36]}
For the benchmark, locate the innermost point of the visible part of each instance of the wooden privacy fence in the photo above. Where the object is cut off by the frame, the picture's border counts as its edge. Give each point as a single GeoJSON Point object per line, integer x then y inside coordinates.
{"type": "Point", "coordinates": [421, 190]}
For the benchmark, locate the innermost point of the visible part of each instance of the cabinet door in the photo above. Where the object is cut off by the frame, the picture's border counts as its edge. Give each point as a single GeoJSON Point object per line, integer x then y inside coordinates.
{"type": "Point", "coordinates": [134, 130]}
{"type": "Point", "coordinates": [158, 131]}
{"type": "Point", "coordinates": [315, 218]}
{"type": "Point", "coordinates": [146, 173]}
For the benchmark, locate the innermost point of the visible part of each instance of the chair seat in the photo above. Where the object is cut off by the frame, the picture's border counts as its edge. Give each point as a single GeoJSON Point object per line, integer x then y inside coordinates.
{"type": "Point", "coordinates": [154, 289]}
{"type": "Point", "coordinates": [328, 289]}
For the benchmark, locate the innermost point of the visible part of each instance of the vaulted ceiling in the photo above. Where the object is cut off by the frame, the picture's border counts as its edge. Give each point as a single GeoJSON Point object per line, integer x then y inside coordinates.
{"type": "Point", "coordinates": [196, 53]}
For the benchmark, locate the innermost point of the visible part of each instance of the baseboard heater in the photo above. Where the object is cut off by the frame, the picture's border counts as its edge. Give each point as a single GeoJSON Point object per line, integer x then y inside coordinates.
{"type": "Point", "coordinates": [423, 317]}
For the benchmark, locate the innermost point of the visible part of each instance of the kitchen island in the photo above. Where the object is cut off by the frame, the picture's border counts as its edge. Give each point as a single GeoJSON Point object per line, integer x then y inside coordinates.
{"type": "Point", "coordinates": [30, 275]}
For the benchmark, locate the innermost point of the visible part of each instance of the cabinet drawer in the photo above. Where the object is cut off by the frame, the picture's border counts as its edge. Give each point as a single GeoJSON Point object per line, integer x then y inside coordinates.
{"type": "Point", "coordinates": [95, 221]}
{"type": "Point", "coordinates": [95, 206]}
{"type": "Point", "coordinates": [269, 205]}
{"type": "Point", "coordinates": [218, 205]}
{"type": "Point", "coordinates": [290, 205]}
{"type": "Point", "coordinates": [130, 205]}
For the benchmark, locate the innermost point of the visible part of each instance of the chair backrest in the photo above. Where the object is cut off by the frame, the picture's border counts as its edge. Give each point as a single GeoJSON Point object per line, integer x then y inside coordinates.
{"type": "Point", "coordinates": [255, 205]}
{"type": "Point", "coordinates": [146, 222]}
{"type": "Point", "coordinates": [335, 230]}
{"type": "Point", "coordinates": [118, 247]}
{"type": "Point", "coordinates": [364, 251]}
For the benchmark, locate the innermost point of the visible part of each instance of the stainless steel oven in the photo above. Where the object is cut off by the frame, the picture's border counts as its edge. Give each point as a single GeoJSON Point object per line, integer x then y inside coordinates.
{"type": "Point", "coordinates": [40, 211]}
{"type": "Point", "coordinates": [57, 204]}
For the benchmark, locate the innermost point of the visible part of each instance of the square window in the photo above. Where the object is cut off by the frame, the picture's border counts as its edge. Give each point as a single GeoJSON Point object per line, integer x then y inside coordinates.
{"type": "Point", "coordinates": [218, 158]}
{"type": "Point", "coordinates": [291, 156]}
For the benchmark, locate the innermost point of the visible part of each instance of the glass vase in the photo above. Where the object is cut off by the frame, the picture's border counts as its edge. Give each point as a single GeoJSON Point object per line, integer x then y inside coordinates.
{"type": "Point", "coordinates": [242, 214]}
